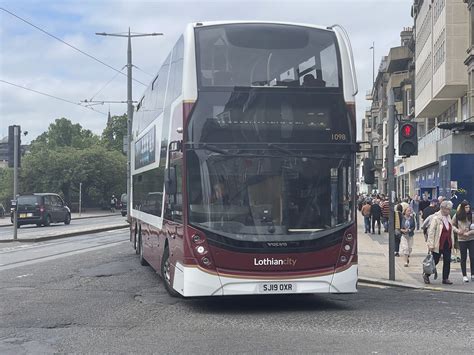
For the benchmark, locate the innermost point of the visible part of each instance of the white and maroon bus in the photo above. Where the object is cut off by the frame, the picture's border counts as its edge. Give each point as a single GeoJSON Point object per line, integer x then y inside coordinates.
{"type": "Point", "coordinates": [243, 159]}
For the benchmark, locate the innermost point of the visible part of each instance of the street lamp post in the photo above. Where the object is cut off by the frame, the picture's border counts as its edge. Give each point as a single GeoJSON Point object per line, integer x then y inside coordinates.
{"type": "Point", "coordinates": [129, 101]}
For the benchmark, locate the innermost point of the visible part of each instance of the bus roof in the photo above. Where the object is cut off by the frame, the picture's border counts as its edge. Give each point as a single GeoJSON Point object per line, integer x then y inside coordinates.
{"type": "Point", "coordinates": [216, 23]}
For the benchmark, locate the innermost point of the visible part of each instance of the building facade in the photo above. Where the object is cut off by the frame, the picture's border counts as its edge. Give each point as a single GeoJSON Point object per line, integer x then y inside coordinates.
{"type": "Point", "coordinates": [444, 164]}
{"type": "Point", "coordinates": [396, 72]}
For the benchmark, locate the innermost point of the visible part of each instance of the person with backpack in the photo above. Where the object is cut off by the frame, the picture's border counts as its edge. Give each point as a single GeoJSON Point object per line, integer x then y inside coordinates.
{"type": "Point", "coordinates": [375, 215]}
{"type": "Point", "coordinates": [366, 213]}
{"type": "Point", "coordinates": [113, 204]}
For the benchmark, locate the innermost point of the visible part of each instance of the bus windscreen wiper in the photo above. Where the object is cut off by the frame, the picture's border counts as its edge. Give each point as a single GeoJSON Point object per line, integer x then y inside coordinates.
{"type": "Point", "coordinates": [281, 149]}
{"type": "Point", "coordinates": [213, 148]}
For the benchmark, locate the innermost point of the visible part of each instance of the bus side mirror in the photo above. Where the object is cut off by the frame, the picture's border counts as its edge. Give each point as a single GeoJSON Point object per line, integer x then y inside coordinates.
{"type": "Point", "coordinates": [369, 171]}
{"type": "Point", "coordinates": [170, 180]}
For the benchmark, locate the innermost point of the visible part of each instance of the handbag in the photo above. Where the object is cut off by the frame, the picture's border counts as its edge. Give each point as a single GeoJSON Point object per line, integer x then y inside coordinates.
{"type": "Point", "coordinates": [429, 266]}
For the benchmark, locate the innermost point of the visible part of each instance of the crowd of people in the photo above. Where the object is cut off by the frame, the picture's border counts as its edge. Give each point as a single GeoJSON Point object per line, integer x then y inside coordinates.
{"type": "Point", "coordinates": [448, 232]}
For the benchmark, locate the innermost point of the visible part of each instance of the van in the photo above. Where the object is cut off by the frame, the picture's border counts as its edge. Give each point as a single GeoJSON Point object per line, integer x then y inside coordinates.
{"type": "Point", "coordinates": [42, 209]}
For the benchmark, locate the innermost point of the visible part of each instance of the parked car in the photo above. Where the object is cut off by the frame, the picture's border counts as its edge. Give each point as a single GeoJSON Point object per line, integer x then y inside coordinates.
{"type": "Point", "coordinates": [123, 204]}
{"type": "Point", "coordinates": [42, 209]}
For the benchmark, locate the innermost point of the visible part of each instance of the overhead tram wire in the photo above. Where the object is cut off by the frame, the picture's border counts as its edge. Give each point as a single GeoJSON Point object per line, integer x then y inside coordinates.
{"type": "Point", "coordinates": [106, 84]}
{"type": "Point", "coordinates": [52, 96]}
{"type": "Point", "coordinates": [67, 44]}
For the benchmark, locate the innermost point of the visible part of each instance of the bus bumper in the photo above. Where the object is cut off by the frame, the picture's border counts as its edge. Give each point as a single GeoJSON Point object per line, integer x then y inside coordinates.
{"type": "Point", "coordinates": [192, 281]}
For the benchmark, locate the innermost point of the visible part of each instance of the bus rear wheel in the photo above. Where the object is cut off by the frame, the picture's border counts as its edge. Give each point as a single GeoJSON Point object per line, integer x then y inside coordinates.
{"type": "Point", "coordinates": [143, 262]}
{"type": "Point", "coordinates": [166, 273]}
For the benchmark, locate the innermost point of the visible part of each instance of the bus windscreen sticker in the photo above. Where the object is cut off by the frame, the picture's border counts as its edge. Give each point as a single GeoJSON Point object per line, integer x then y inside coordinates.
{"type": "Point", "coordinates": [145, 149]}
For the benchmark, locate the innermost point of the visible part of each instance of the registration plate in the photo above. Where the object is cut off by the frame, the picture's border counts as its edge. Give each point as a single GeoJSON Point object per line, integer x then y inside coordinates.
{"type": "Point", "coordinates": [277, 287]}
{"type": "Point", "coordinates": [25, 215]}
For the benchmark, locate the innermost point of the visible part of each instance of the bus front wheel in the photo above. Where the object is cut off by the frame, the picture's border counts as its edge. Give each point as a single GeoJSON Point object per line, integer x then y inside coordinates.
{"type": "Point", "coordinates": [166, 272]}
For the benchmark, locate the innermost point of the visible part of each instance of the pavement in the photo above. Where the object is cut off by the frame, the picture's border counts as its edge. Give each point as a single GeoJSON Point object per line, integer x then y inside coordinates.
{"type": "Point", "coordinates": [373, 265]}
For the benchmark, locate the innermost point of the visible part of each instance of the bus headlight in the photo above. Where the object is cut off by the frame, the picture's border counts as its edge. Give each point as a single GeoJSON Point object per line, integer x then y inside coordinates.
{"type": "Point", "coordinates": [201, 250]}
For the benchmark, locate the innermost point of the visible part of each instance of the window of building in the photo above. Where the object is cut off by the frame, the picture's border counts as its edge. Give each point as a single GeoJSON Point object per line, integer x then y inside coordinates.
{"type": "Point", "coordinates": [471, 34]}
{"type": "Point", "coordinates": [376, 152]}
{"type": "Point", "coordinates": [407, 102]}
{"type": "Point", "coordinates": [464, 108]}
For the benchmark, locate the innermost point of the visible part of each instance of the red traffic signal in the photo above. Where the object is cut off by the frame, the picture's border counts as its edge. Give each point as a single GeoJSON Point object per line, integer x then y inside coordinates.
{"type": "Point", "coordinates": [407, 139]}
{"type": "Point", "coordinates": [408, 130]}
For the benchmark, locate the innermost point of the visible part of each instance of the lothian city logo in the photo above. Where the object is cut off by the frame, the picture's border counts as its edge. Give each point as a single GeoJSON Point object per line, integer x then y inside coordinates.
{"type": "Point", "coordinates": [271, 261]}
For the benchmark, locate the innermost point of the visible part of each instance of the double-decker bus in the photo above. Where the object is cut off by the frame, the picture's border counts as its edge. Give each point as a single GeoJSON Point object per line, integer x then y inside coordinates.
{"type": "Point", "coordinates": [243, 162]}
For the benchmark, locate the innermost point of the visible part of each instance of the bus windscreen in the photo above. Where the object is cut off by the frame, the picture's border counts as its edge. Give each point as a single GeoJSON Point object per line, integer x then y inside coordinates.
{"type": "Point", "coordinates": [268, 55]}
{"type": "Point", "coordinates": [270, 196]}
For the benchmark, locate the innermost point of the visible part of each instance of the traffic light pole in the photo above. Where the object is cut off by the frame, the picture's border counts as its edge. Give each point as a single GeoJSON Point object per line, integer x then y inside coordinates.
{"type": "Point", "coordinates": [391, 184]}
{"type": "Point", "coordinates": [16, 139]}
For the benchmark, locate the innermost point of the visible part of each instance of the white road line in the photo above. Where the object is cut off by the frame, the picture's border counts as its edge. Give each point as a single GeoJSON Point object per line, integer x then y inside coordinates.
{"type": "Point", "coordinates": [59, 255]}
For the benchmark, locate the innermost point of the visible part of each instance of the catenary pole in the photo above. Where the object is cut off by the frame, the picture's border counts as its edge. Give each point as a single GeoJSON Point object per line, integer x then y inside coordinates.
{"type": "Point", "coordinates": [16, 139]}
{"type": "Point", "coordinates": [391, 184]}
{"type": "Point", "coordinates": [129, 102]}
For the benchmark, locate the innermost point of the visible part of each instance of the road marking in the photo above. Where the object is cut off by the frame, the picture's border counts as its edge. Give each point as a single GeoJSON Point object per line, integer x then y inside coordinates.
{"type": "Point", "coordinates": [19, 277]}
{"type": "Point", "coordinates": [59, 255]}
{"type": "Point", "coordinates": [372, 285]}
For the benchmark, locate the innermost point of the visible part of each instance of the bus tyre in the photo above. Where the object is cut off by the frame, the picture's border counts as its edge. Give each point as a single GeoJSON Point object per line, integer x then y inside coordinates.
{"type": "Point", "coordinates": [166, 273]}
{"type": "Point", "coordinates": [143, 262]}
{"type": "Point", "coordinates": [136, 246]}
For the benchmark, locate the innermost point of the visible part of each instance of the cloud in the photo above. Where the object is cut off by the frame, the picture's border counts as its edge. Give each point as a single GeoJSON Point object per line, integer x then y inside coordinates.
{"type": "Point", "coordinates": [31, 58]}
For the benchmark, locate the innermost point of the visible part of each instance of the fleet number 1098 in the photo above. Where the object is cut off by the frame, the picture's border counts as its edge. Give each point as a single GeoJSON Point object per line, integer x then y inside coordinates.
{"type": "Point", "coordinates": [338, 137]}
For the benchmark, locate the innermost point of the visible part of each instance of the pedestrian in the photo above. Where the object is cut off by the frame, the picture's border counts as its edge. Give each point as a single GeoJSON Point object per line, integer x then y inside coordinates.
{"type": "Point", "coordinates": [398, 232]}
{"type": "Point", "coordinates": [375, 215]}
{"type": "Point", "coordinates": [385, 214]}
{"type": "Point", "coordinates": [366, 213]}
{"type": "Point", "coordinates": [463, 226]}
{"type": "Point", "coordinates": [407, 228]}
{"type": "Point", "coordinates": [415, 206]}
{"type": "Point", "coordinates": [431, 209]}
{"type": "Point", "coordinates": [440, 240]}
{"type": "Point", "coordinates": [425, 202]}
{"type": "Point", "coordinates": [113, 204]}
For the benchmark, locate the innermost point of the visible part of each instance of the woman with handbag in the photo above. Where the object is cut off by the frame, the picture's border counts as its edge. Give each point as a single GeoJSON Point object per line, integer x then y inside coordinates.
{"type": "Point", "coordinates": [462, 222]}
{"type": "Point", "coordinates": [440, 240]}
{"type": "Point", "coordinates": [407, 228]}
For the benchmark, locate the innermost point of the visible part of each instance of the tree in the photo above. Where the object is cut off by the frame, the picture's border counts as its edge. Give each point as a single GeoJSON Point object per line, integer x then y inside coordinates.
{"type": "Point", "coordinates": [114, 132]}
{"type": "Point", "coordinates": [6, 187]}
{"type": "Point", "coordinates": [63, 133]}
{"type": "Point", "coordinates": [102, 172]}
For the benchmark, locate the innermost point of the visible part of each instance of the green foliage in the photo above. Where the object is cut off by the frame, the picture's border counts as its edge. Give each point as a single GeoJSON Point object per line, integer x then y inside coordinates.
{"type": "Point", "coordinates": [6, 187]}
{"type": "Point", "coordinates": [63, 133]}
{"type": "Point", "coordinates": [113, 134]}
{"type": "Point", "coordinates": [67, 155]}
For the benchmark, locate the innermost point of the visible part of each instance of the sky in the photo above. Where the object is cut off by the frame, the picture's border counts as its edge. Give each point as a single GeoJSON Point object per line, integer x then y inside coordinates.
{"type": "Point", "coordinates": [31, 59]}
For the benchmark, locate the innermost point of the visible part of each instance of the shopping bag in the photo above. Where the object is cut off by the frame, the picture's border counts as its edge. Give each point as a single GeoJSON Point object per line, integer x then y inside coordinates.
{"type": "Point", "coordinates": [429, 266]}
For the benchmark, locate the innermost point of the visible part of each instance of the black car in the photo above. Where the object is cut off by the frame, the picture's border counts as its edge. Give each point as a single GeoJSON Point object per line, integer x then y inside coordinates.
{"type": "Point", "coordinates": [42, 209]}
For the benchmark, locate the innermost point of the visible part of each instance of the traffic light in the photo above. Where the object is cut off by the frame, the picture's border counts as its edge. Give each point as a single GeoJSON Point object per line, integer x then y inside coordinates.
{"type": "Point", "coordinates": [11, 145]}
{"type": "Point", "coordinates": [407, 139]}
{"type": "Point", "coordinates": [369, 171]}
